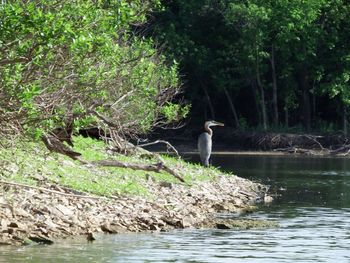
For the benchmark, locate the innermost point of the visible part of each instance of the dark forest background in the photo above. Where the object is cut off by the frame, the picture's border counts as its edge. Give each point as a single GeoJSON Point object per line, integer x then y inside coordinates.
{"type": "Point", "coordinates": [261, 64]}
{"type": "Point", "coordinates": [130, 67]}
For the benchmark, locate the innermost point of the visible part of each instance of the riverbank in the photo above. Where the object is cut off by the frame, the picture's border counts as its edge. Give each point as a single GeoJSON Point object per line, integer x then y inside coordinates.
{"type": "Point", "coordinates": [48, 196]}
{"type": "Point", "coordinates": [226, 139]}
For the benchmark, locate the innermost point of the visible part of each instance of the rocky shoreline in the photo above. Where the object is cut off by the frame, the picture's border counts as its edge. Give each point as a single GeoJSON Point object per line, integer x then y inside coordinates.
{"type": "Point", "coordinates": [31, 214]}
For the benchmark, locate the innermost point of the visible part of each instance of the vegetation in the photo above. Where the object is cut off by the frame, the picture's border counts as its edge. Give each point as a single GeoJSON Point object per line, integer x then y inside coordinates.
{"type": "Point", "coordinates": [68, 66]}
{"type": "Point", "coordinates": [31, 163]}
{"type": "Point", "coordinates": [112, 64]}
{"type": "Point", "coordinates": [82, 63]}
{"type": "Point", "coordinates": [268, 63]}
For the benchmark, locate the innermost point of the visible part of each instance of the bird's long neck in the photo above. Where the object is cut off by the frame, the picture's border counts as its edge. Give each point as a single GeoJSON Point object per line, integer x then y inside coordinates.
{"type": "Point", "coordinates": [210, 131]}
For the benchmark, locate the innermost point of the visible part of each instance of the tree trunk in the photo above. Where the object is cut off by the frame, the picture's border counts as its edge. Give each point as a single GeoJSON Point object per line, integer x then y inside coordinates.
{"type": "Point", "coordinates": [256, 102]}
{"type": "Point", "coordinates": [204, 87]}
{"type": "Point", "coordinates": [274, 86]}
{"type": "Point", "coordinates": [211, 108]}
{"type": "Point", "coordinates": [262, 97]}
{"type": "Point", "coordinates": [314, 106]}
{"type": "Point", "coordinates": [233, 109]}
{"type": "Point", "coordinates": [286, 116]}
{"type": "Point", "coordinates": [345, 120]}
{"type": "Point", "coordinates": [305, 89]}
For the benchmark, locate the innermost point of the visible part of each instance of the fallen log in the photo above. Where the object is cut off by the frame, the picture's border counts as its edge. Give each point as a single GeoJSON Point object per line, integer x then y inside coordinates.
{"type": "Point", "coordinates": [54, 144]}
{"type": "Point", "coordinates": [158, 167]}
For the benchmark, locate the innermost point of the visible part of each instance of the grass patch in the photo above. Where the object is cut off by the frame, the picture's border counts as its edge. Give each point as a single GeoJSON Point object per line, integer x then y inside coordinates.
{"type": "Point", "coordinates": [28, 161]}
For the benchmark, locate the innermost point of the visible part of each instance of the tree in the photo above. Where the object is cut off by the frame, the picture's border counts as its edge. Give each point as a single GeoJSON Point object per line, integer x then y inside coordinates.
{"type": "Point", "coordinates": [283, 56]}
{"type": "Point", "coordinates": [81, 62]}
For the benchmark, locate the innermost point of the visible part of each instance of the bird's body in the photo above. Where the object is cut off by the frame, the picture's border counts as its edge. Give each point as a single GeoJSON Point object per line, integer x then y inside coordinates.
{"type": "Point", "coordinates": [204, 147]}
{"type": "Point", "coordinates": [205, 142]}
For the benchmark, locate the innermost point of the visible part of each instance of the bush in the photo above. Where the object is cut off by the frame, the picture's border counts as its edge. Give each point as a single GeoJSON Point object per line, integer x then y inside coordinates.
{"type": "Point", "coordinates": [80, 62]}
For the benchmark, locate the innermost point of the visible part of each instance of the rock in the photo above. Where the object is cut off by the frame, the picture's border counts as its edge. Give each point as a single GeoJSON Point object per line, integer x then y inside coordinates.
{"type": "Point", "coordinates": [21, 212]}
{"type": "Point", "coordinates": [173, 222]}
{"type": "Point", "coordinates": [160, 222]}
{"type": "Point", "coordinates": [154, 227]}
{"type": "Point", "coordinates": [38, 177]}
{"type": "Point", "coordinates": [65, 210]}
{"type": "Point", "coordinates": [43, 230]}
{"type": "Point", "coordinates": [9, 230]}
{"type": "Point", "coordinates": [42, 216]}
{"type": "Point", "coordinates": [5, 241]}
{"type": "Point", "coordinates": [40, 239]}
{"type": "Point", "coordinates": [90, 237]}
{"type": "Point", "coordinates": [237, 201]}
{"type": "Point", "coordinates": [111, 228]}
{"type": "Point", "coordinates": [27, 242]}
{"type": "Point", "coordinates": [166, 185]}
{"type": "Point", "coordinates": [186, 222]}
{"type": "Point", "coordinates": [268, 199]}
{"type": "Point", "coordinates": [13, 225]}
{"type": "Point", "coordinates": [49, 224]}
{"type": "Point", "coordinates": [222, 226]}
{"type": "Point", "coordinates": [4, 223]}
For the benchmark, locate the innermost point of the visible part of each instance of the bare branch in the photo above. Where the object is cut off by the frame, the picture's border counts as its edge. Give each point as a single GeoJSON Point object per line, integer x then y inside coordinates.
{"type": "Point", "coordinates": [145, 167]}
{"type": "Point", "coordinates": [161, 141]}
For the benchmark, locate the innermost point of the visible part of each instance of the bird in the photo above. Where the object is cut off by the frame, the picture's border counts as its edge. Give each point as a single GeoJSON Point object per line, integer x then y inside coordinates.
{"type": "Point", "coordinates": [55, 145]}
{"type": "Point", "coordinates": [205, 141]}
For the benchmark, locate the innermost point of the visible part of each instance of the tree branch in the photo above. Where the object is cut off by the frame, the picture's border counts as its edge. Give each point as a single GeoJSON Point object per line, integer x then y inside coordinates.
{"type": "Point", "coordinates": [145, 167]}
{"type": "Point", "coordinates": [161, 141]}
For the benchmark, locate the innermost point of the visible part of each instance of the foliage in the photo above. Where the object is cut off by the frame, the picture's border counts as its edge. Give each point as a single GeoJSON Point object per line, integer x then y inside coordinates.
{"type": "Point", "coordinates": [81, 61]}
{"type": "Point", "coordinates": [29, 162]}
{"type": "Point", "coordinates": [234, 45]}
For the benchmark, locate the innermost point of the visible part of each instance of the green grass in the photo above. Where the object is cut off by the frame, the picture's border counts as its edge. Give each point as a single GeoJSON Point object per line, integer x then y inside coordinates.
{"type": "Point", "coordinates": [29, 162]}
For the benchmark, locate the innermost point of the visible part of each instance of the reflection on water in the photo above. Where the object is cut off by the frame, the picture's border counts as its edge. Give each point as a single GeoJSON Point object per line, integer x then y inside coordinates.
{"type": "Point", "coordinates": [314, 181]}
{"type": "Point", "coordinates": [313, 213]}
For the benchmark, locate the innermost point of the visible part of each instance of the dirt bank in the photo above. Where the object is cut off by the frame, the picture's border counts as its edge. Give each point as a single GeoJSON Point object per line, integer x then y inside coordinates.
{"type": "Point", "coordinates": [38, 215]}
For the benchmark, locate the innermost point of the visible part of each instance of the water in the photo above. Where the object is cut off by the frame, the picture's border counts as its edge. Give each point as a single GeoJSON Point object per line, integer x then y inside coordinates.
{"type": "Point", "coordinates": [313, 211]}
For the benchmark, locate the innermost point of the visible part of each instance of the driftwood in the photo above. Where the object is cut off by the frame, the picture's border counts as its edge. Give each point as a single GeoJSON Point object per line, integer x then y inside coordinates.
{"type": "Point", "coordinates": [298, 150]}
{"type": "Point", "coordinates": [158, 167]}
{"type": "Point", "coordinates": [343, 150]}
{"type": "Point", "coordinates": [55, 145]}
{"type": "Point", "coordinates": [340, 151]}
{"type": "Point", "coordinates": [161, 164]}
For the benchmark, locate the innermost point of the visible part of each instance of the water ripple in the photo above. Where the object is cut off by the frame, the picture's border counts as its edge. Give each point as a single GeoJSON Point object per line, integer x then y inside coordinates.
{"type": "Point", "coordinates": [313, 215]}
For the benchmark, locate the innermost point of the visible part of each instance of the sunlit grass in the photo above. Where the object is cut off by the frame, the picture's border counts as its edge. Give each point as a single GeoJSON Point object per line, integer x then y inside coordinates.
{"type": "Point", "coordinates": [30, 162]}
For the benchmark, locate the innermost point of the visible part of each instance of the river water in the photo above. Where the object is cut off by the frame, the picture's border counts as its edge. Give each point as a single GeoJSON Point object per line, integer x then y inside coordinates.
{"type": "Point", "coordinates": [312, 209]}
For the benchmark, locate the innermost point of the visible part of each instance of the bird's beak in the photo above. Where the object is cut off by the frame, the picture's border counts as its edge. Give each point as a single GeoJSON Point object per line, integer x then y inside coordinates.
{"type": "Point", "coordinates": [219, 123]}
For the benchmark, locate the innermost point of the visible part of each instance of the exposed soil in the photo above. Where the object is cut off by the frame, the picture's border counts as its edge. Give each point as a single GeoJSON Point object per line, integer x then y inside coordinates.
{"type": "Point", "coordinates": [37, 215]}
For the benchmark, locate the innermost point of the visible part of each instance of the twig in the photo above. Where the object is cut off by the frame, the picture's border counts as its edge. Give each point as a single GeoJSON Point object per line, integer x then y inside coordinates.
{"type": "Point", "coordinates": [342, 151]}
{"type": "Point", "coordinates": [161, 141]}
{"type": "Point", "coordinates": [314, 139]}
{"type": "Point", "coordinates": [122, 97]}
{"type": "Point", "coordinates": [345, 154]}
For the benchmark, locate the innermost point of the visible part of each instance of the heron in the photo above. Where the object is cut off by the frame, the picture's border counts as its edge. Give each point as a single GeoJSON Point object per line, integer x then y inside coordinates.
{"type": "Point", "coordinates": [205, 141]}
